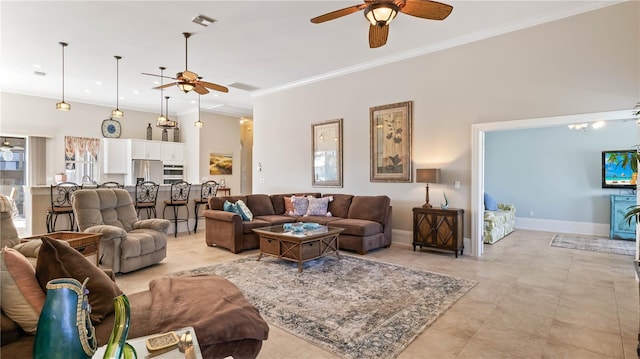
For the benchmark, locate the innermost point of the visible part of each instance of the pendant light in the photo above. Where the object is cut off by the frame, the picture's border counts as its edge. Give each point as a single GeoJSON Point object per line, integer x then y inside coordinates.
{"type": "Point", "coordinates": [117, 112]}
{"type": "Point", "coordinates": [63, 106]}
{"type": "Point", "coordinates": [199, 123]}
{"type": "Point", "coordinates": [161, 120]}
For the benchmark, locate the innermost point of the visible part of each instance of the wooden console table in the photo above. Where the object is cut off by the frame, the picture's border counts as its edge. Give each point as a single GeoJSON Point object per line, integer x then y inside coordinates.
{"type": "Point", "coordinates": [438, 228]}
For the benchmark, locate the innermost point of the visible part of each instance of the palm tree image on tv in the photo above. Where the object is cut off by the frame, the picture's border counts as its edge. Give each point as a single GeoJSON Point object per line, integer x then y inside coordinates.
{"type": "Point", "coordinates": [621, 167]}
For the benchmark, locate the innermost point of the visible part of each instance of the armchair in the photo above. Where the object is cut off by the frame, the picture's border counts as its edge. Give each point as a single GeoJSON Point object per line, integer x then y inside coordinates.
{"type": "Point", "coordinates": [127, 243]}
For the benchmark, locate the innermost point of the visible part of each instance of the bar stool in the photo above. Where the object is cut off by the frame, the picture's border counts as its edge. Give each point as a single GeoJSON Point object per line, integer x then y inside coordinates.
{"type": "Point", "coordinates": [179, 197]}
{"type": "Point", "coordinates": [110, 184]}
{"type": "Point", "coordinates": [61, 205]}
{"type": "Point", "coordinates": [146, 198]}
{"type": "Point", "coordinates": [208, 189]}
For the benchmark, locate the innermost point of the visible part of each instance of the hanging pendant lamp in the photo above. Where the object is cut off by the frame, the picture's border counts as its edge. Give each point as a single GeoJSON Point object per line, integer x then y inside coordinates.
{"type": "Point", "coordinates": [63, 106]}
{"type": "Point", "coordinates": [161, 120]}
{"type": "Point", "coordinates": [199, 123]}
{"type": "Point", "coordinates": [117, 112]}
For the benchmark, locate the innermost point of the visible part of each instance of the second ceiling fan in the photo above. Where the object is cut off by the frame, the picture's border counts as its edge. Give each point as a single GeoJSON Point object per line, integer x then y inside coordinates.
{"type": "Point", "coordinates": [188, 80]}
{"type": "Point", "coordinates": [381, 12]}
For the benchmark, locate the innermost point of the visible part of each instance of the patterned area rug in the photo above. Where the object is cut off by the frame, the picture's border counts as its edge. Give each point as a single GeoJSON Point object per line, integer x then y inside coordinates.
{"type": "Point", "coordinates": [352, 307]}
{"type": "Point", "coordinates": [596, 244]}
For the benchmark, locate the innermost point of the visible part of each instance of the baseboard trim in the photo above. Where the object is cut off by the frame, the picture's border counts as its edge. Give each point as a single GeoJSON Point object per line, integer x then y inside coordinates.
{"type": "Point", "coordinates": [551, 225]}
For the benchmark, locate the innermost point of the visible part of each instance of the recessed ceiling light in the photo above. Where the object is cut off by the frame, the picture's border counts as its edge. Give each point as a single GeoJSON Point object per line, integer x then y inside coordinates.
{"type": "Point", "coordinates": [203, 20]}
{"type": "Point", "coordinates": [99, 83]}
{"type": "Point", "coordinates": [192, 101]}
{"type": "Point", "coordinates": [37, 66]}
{"type": "Point", "coordinates": [156, 82]}
{"type": "Point", "coordinates": [215, 95]}
{"type": "Point", "coordinates": [137, 92]}
{"type": "Point", "coordinates": [122, 97]}
{"type": "Point", "coordinates": [87, 91]}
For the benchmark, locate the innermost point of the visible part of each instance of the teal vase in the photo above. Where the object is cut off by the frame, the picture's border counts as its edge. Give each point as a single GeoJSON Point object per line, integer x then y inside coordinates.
{"type": "Point", "coordinates": [118, 347]}
{"type": "Point", "coordinates": [64, 328]}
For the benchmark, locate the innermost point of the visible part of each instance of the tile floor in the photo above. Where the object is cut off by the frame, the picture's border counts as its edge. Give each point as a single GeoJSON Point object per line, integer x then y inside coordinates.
{"type": "Point", "coordinates": [531, 300]}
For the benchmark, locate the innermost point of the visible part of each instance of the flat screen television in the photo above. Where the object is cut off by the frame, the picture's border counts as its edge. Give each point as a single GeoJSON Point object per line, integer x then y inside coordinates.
{"type": "Point", "coordinates": [619, 169]}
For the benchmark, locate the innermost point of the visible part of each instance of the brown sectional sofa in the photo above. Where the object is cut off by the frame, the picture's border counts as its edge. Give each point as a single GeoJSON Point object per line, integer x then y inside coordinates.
{"type": "Point", "coordinates": [366, 220]}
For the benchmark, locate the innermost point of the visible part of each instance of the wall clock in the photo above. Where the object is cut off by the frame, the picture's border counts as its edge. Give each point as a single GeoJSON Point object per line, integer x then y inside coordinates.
{"type": "Point", "coordinates": [111, 128]}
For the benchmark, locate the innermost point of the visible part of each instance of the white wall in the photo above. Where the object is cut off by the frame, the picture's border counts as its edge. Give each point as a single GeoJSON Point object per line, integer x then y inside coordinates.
{"type": "Point", "coordinates": [565, 67]}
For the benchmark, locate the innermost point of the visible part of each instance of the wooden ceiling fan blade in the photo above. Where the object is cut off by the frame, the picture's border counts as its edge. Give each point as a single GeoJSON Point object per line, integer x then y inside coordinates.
{"type": "Point", "coordinates": [189, 76]}
{"type": "Point", "coordinates": [378, 35]}
{"type": "Point", "coordinates": [200, 89]}
{"type": "Point", "coordinates": [164, 86]}
{"type": "Point", "coordinates": [214, 86]}
{"type": "Point", "coordinates": [426, 9]}
{"type": "Point", "coordinates": [338, 13]}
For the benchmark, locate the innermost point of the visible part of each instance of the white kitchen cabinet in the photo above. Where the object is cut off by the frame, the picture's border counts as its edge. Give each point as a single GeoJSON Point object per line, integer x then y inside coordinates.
{"type": "Point", "coordinates": [145, 150]}
{"type": "Point", "coordinates": [172, 152]}
{"type": "Point", "coordinates": [116, 156]}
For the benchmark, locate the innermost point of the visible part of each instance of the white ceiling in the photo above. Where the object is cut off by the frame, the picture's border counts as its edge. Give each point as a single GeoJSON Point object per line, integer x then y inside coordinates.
{"type": "Point", "coordinates": [266, 44]}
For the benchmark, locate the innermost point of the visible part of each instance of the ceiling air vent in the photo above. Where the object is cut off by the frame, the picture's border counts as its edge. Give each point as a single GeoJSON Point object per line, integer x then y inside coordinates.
{"type": "Point", "coordinates": [246, 87]}
{"type": "Point", "coordinates": [40, 73]}
{"type": "Point", "coordinates": [203, 20]}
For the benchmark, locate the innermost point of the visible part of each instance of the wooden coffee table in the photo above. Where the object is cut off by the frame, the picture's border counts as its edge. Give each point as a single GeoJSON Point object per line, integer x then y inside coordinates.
{"type": "Point", "coordinates": [86, 243]}
{"type": "Point", "coordinates": [298, 246]}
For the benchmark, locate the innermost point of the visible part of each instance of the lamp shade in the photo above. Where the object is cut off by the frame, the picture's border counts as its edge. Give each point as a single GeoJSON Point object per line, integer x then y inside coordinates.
{"type": "Point", "coordinates": [428, 175]}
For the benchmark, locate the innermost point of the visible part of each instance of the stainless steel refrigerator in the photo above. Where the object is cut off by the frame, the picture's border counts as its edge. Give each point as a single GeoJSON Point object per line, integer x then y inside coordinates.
{"type": "Point", "coordinates": [147, 170]}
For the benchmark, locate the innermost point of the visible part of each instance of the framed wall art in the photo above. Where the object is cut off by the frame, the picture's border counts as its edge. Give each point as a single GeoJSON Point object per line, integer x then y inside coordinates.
{"type": "Point", "coordinates": [391, 128]}
{"type": "Point", "coordinates": [220, 164]}
{"type": "Point", "coordinates": [326, 154]}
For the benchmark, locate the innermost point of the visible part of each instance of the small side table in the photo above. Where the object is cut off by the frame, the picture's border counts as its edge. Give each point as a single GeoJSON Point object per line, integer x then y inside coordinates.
{"type": "Point", "coordinates": [438, 228]}
{"type": "Point", "coordinates": [225, 190]}
{"type": "Point", "coordinates": [140, 346]}
{"type": "Point", "coordinates": [86, 243]}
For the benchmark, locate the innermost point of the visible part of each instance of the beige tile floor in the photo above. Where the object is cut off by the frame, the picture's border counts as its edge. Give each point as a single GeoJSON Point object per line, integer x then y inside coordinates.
{"type": "Point", "coordinates": [531, 300]}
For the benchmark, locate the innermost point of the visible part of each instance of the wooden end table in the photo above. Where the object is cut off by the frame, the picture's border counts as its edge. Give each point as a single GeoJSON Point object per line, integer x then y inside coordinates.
{"type": "Point", "coordinates": [86, 243]}
{"type": "Point", "coordinates": [298, 246]}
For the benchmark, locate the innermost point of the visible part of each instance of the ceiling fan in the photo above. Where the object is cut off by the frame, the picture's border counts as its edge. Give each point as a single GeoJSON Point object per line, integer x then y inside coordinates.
{"type": "Point", "coordinates": [7, 146]}
{"type": "Point", "coordinates": [188, 80]}
{"type": "Point", "coordinates": [381, 12]}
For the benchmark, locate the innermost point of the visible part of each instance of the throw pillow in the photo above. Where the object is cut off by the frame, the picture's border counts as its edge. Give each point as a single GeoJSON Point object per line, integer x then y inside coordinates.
{"type": "Point", "coordinates": [318, 206]}
{"type": "Point", "coordinates": [57, 260]}
{"type": "Point", "coordinates": [300, 205]}
{"type": "Point", "coordinates": [288, 206]}
{"type": "Point", "coordinates": [490, 202]}
{"type": "Point", "coordinates": [245, 212]}
{"type": "Point", "coordinates": [21, 295]}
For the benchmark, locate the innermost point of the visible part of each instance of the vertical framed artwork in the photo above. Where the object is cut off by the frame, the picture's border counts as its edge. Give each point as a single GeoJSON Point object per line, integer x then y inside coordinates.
{"type": "Point", "coordinates": [391, 128]}
{"type": "Point", "coordinates": [326, 154]}
{"type": "Point", "coordinates": [220, 164]}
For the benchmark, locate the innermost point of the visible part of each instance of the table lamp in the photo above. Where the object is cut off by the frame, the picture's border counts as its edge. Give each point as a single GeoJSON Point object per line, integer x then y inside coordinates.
{"type": "Point", "coordinates": [427, 175]}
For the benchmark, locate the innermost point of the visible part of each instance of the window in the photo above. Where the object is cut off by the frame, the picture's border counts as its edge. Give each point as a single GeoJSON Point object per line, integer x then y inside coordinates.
{"type": "Point", "coordinates": [81, 159]}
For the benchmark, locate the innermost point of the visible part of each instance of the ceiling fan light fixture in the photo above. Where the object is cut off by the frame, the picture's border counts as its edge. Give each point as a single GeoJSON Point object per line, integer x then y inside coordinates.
{"type": "Point", "coordinates": [185, 86]}
{"type": "Point", "coordinates": [381, 14]}
{"type": "Point", "coordinates": [63, 106]}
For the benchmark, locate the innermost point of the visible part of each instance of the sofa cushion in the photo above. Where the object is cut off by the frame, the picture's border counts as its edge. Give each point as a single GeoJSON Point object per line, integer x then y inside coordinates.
{"type": "Point", "coordinates": [339, 207]}
{"type": "Point", "coordinates": [324, 220]}
{"type": "Point", "coordinates": [490, 203]}
{"type": "Point", "coordinates": [57, 260]}
{"type": "Point", "coordinates": [300, 205]}
{"type": "Point", "coordinates": [21, 295]}
{"type": "Point", "coordinates": [217, 203]}
{"type": "Point", "coordinates": [358, 227]}
{"type": "Point", "coordinates": [276, 219]}
{"type": "Point", "coordinates": [288, 206]}
{"type": "Point", "coordinates": [372, 208]}
{"type": "Point", "coordinates": [318, 206]}
{"type": "Point", "coordinates": [248, 226]}
{"type": "Point", "coordinates": [245, 212]}
{"type": "Point", "coordinates": [260, 204]}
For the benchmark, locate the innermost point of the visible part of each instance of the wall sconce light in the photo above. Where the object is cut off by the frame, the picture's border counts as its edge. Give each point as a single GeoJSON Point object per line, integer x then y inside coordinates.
{"type": "Point", "coordinates": [63, 106]}
{"type": "Point", "coordinates": [117, 112]}
{"type": "Point", "coordinates": [427, 175]}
